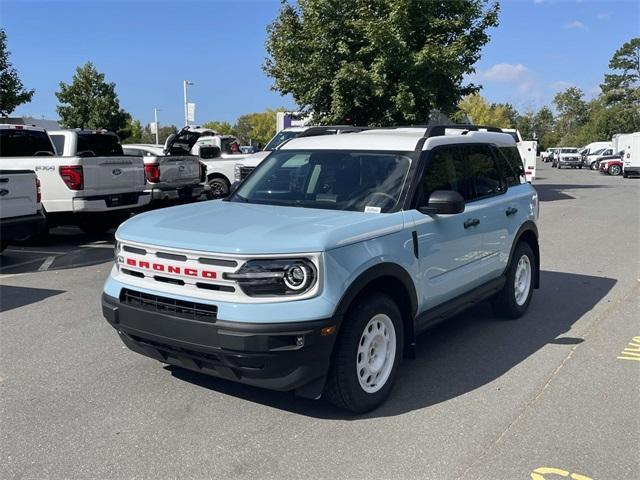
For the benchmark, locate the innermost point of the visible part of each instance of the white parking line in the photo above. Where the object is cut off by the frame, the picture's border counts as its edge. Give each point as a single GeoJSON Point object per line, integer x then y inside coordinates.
{"type": "Point", "coordinates": [46, 264]}
{"type": "Point", "coordinates": [46, 252]}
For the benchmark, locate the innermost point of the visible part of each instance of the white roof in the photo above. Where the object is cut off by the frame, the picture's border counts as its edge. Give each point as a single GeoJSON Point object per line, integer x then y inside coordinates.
{"type": "Point", "coordinates": [151, 148]}
{"type": "Point", "coordinates": [11, 126]}
{"type": "Point", "coordinates": [395, 139]}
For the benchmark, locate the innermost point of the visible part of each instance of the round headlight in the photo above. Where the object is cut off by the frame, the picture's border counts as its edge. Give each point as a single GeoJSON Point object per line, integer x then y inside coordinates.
{"type": "Point", "coordinates": [297, 277]}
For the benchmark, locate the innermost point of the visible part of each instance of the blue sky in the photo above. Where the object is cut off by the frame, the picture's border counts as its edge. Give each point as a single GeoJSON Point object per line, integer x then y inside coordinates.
{"type": "Point", "coordinates": [149, 47]}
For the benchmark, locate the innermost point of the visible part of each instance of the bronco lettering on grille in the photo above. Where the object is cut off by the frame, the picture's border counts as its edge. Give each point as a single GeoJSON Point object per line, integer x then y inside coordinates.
{"type": "Point", "coordinates": [160, 267]}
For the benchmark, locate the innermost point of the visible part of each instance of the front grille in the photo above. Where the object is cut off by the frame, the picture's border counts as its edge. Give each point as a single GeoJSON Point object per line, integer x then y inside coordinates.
{"type": "Point", "coordinates": [169, 306]}
{"type": "Point", "coordinates": [245, 171]}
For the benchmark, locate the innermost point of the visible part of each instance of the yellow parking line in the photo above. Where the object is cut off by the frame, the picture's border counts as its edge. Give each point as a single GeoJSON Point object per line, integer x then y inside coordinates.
{"type": "Point", "coordinates": [631, 351]}
{"type": "Point", "coordinates": [540, 472]}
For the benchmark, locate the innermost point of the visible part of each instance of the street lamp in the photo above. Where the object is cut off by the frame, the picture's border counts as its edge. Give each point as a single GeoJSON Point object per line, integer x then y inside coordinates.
{"type": "Point", "coordinates": [185, 83]}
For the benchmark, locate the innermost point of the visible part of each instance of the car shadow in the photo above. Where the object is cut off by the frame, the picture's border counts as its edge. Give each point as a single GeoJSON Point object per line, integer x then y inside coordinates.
{"type": "Point", "coordinates": [63, 248]}
{"type": "Point", "coordinates": [554, 192]}
{"type": "Point", "coordinates": [15, 297]}
{"type": "Point", "coordinates": [457, 357]}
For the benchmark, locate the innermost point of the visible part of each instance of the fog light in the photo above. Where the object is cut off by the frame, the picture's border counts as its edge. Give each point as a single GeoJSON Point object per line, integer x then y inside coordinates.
{"type": "Point", "coordinates": [299, 341]}
{"type": "Point", "coordinates": [327, 331]}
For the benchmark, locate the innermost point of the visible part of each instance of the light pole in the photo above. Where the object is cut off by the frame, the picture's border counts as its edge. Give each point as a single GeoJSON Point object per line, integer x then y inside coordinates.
{"type": "Point", "coordinates": [186, 108]}
{"type": "Point", "coordinates": [155, 118]}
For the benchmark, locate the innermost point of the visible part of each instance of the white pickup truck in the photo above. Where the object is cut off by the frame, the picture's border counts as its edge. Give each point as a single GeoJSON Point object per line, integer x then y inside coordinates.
{"type": "Point", "coordinates": [169, 177]}
{"type": "Point", "coordinates": [86, 180]}
{"type": "Point", "coordinates": [219, 153]}
{"type": "Point", "coordinates": [20, 209]}
{"type": "Point", "coordinates": [528, 151]}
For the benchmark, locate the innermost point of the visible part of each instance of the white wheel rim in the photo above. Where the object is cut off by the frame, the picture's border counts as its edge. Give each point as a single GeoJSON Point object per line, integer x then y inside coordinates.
{"type": "Point", "coordinates": [522, 282]}
{"type": "Point", "coordinates": [376, 353]}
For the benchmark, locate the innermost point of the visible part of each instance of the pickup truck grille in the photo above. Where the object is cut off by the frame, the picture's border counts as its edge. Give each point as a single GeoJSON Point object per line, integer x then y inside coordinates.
{"type": "Point", "coordinates": [245, 171]}
{"type": "Point", "coordinates": [169, 306]}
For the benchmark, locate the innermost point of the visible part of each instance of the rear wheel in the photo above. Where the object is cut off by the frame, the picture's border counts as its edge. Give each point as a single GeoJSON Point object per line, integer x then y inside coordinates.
{"type": "Point", "coordinates": [219, 187]}
{"type": "Point", "coordinates": [594, 166]}
{"type": "Point", "coordinates": [512, 302]}
{"type": "Point", "coordinates": [367, 354]}
{"type": "Point", "coordinates": [614, 170]}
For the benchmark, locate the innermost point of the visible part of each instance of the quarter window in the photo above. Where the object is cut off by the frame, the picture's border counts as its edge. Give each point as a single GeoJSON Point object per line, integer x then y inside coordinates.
{"type": "Point", "coordinates": [511, 165]}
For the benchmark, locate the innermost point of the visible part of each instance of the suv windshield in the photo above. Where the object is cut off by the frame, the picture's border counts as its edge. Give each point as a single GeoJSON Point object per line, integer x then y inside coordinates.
{"type": "Point", "coordinates": [24, 143]}
{"type": "Point", "coordinates": [281, 137]}
{"type": "Point", "coordinates": [99, 145]}
{"type": "Point", "coordinates": [569, 150]}
{"type": "Point", "coordinates": [337, 180]}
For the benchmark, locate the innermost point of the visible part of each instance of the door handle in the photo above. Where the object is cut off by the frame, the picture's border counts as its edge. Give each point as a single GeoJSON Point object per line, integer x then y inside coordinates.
{"type": "Point", "coordinates": [472, 222]}
{"type": "Point", "coordinates": [511, 211]}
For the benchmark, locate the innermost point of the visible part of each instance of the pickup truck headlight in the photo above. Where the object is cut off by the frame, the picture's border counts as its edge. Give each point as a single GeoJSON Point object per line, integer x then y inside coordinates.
{"type": "Point", "coordinates": [274, 277]}
{"type": "Point", "coordinates": [236, 172]}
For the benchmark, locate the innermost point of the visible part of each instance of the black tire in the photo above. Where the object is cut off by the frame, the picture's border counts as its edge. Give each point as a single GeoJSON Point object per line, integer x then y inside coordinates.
{"type": "Point", "coordinates": [580, 167]}
{"type": "Point", "coordinates": [343, 387]}
{"type": "Point", "coordinates": [504, 303]}
{"type": "Point", "coordinates": [624, 174]}
{"type": "Point", "coordinates": [614, 170]}
{"type": "Point", "coordinates": [559, 167]}
{"type": "Point", "coordinates": [594, 166]}
{"type": "Point", "coordinates": [219, 187]}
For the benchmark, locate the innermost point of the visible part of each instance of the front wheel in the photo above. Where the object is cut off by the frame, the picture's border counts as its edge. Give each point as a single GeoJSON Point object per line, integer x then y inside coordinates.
{"type": "Point", "coordinates": [514, 298]}
{"type": "Point", "coordinates": [594, 166]}
{"type": "Point", "coordinates": [614, 170]}
{"type": "Point", "coordinates": [367, 354]}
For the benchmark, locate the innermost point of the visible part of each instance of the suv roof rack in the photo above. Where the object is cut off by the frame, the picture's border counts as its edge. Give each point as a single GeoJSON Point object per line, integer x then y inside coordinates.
{"type": "Point", "coordinates": [316, 130]}
{"type": "Point", "coordinates": [440, 130]}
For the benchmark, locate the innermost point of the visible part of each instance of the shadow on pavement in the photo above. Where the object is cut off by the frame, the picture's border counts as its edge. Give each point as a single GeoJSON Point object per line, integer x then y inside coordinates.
{"type": "Point", "coordinates": [15, 297]}
{"type": "Point", "coordinates": [461, 355]}
{"type": "Point", "coordinates": [66, 247]}
{"type": "Point", "coordinates": [552, 193]}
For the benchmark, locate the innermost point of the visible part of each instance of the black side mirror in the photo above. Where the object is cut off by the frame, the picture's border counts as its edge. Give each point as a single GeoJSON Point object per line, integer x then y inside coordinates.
{"type": "Point", "coordinates": [445, 202]}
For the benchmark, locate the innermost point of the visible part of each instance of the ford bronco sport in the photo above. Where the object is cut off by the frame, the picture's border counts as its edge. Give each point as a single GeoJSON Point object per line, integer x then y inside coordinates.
{"type": "Point", "coordinates": [319, 271]}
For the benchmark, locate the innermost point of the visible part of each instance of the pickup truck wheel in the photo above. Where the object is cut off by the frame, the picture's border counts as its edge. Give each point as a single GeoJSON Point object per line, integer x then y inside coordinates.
{"type": "Point", "coordinates": [367, 354]}
{"type": "Point", "coordinates": [219, 187]}
{"type": "Point", "coordinates": [512, 302]}
{"type": "Point", "coordinates": [593, 166]}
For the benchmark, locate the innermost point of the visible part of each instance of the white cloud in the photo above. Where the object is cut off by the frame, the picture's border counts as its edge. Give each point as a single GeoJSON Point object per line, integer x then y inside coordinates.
{"type": "Point", "coordinates": [518, 75]}
{"type": "Point", "coordinates": [576, 25]}
{"type": "Point", "coordinates": [603, 16]}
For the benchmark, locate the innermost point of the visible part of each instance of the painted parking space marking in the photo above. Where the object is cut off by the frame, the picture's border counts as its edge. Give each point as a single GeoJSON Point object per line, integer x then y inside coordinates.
{"type": "Point", "coordinates": [631, 351]}
{"type": "Point", "coordinates": [542, 473]}
{"type": "Point", "coordinates": [46, 264]}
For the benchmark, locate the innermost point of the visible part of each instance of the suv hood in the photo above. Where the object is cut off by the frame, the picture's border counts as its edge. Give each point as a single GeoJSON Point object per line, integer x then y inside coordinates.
{"type": "Point", "coordinates": [238, 228]}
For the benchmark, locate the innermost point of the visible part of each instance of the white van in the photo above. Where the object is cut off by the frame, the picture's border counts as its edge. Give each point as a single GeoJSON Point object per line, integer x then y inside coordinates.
{"type": "Point", "coordinates": [631, 160]}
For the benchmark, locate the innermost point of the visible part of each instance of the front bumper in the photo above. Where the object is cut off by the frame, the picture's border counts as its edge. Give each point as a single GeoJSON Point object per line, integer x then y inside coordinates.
{"type": "Point", "coordinates": [108, 203]}
{"type": "Point", "coordinates": [571, 163]}
{"type": "Point", "coordinates": [17, 228]}
{"type": "Point", "coordinates": [176, 193]}
{"type": "Point", "coordinates": [277, 356]}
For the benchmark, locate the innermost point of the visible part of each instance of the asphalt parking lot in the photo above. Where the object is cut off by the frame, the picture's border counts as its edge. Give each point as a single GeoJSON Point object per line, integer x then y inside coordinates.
{"type": "Point", "coordinates": [553, 395]}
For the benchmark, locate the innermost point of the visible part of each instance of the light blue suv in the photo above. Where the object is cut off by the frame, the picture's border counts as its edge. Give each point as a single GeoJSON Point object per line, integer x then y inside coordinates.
{"type": "Point", "coordinates": [320, 270]}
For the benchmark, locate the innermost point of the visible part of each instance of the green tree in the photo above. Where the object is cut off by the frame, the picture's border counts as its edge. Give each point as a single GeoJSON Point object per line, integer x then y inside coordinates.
{"type": "Point", "coordinates": [223, 128]}
{"type": "Point", "coordinates": [377, 62]}
{"type": "Point", "coordinates": [12, 92]}
{"type": "Point", "coordinates": [480, 112]}
{"type": "Point", "coordinates": [572, 112]}
{"type": "Point", "coordinates": [90, 102]}
{"type": "Point", "coordinates": [257, 128]}
{"type": "Point", "coordinates": [623, 84]}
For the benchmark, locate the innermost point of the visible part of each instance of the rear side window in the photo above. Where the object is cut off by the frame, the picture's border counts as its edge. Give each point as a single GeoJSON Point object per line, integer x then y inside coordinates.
{"type": "Point", "coordinates": [58, 141]}
{"type": "Point", "coordinates": [482, 171]}
{"type": "Point", "coordinates": [511, 165]}
{"type": "Point", "coordinates": [99, 145]}
{"type": "Point", "coordinates": [25, 143]}
{"type": "Point", "coordinates": [445, 171]}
